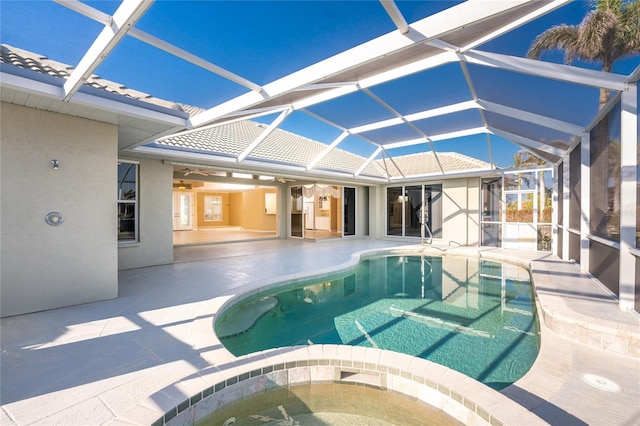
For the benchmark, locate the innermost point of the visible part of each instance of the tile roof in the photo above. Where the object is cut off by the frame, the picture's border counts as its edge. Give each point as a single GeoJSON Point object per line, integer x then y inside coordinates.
{"type": "Point", "coordinates": [280, 146]}
{"type": "Point", "coordinates": [32, 61]}
{"type": "Point", "coordinates": [288, 148]}
{"type": "Point", "coordinates": [425, 163]}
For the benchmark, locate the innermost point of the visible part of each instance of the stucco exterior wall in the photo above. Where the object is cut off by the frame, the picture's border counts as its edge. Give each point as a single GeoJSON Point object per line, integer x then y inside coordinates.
{"type": "Point", "coordinates": [155, 209]}
{"type": "Point", "coordinates": [43, 266]}
{"type": "Point", "coordinates": [461, 211]}
{"type": "Point", "coordinates": [362, 211]}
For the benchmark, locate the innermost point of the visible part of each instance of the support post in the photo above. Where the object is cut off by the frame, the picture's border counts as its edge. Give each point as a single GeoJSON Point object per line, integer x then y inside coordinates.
{"type": "Point", "coordinates": [565, 206]}
{"type": "Point", "coordinates": [628, 195]}
{"type": "Point", "coordinates": [585, 199]}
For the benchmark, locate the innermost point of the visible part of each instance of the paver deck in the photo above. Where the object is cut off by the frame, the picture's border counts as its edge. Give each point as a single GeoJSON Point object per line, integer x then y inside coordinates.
{"type": "Point", "coordinates": [90, 364]}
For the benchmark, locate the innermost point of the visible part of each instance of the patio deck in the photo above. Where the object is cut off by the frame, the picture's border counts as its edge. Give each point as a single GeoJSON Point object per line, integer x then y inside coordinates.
{"type": "Point", "coordinates": [100, 363]}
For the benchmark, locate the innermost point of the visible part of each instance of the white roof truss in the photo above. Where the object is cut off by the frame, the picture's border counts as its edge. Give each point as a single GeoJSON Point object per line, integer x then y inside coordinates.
{"type": "Point", "coordinates": [421, 31]}
{"type": "Point", "coordinates": [367, 161]}
{"type": "Point", "coordinates": [396, 16]}
{"type": "Point", "coordinates": [546, 8]}
{"type": "Point", "coordinates": [458, 134]}
{"type": "Point", "coordinates": [431, 31]}
{"type": "Point", "coordinates": [526, 142]}
{"type": "Point", "coordinates": [540, 120]}
{"type": "Point", "coordinates": [123, 20]}
{"type": "Point", "coordinates": [105, 19]}
{"type": "Point", "coordinates": [327, 150]}
{"type": "Point", "coordinates": [635, 75]}
{"type": "Point", "coordinates": [265, 134]}
{"type": "Point", "coordinates": [435, 112]}
{"type": "Point", "coordinates": [567, 73]}
{"type": "Point", "coordinates": [404, 120]}
{"type": "Point", "coordinates": [493, 166]}
{"type": "Point", "coordinates": [474, 94]}
{"type": "Point", "coordinates": [386, 154]}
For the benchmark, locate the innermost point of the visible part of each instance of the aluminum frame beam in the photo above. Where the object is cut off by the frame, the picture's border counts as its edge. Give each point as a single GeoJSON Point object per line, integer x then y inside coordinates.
{"type": "Point", "coordinates": [541, 120]}
{"type": "Point", "coordinates": [566, 73]}
{"type": "Point", "coordinates": [421, 31]}
{"type": "Point", "coordinates": [103, 18]}
{"type": "Point", "coordinates": [396, 16]}
{"type": "Point", "coordinates": [526, 142]}
{"type": "Point", "coordinates": [327, 150]}
{"type": "Point", "coordinates": [264, 135]}
{"type": "Point", "coordinates": [123, 20]}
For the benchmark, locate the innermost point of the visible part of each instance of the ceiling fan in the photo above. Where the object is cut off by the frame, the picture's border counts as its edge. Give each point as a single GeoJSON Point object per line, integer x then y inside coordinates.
{"type": "Point", "coordinates": [188, 172]}
{"type": "Point", "coordinates": [284, 180]}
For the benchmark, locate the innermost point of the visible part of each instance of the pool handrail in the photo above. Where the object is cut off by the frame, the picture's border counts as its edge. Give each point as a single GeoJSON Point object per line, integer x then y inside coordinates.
{"type": "Point", "coordinates": [426, 227]}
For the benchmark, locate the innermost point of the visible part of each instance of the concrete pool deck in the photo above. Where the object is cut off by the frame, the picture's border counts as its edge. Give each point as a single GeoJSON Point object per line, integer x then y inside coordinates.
{"type": "Point", "coordinates": [114, 362]}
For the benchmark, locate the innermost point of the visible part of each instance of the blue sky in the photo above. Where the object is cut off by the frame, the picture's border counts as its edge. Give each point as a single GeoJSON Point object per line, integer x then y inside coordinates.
{"type": "Point", "coordinates": [265, 40]}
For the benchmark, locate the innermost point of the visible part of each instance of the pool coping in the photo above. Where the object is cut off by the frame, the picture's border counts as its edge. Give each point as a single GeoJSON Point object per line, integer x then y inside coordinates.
{"type": "Point", "coordinates": [512, 405]}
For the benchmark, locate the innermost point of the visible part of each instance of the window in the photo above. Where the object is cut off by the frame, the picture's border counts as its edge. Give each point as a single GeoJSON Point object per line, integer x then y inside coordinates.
{"type": "Point", "coordinates": [212, 208]}
{"type": "Point", "coordinates": [492, 212]}
{"type": "Point", "coordinates": [127, 201]}
{"type": "Point", "coordinates": [410, 207]}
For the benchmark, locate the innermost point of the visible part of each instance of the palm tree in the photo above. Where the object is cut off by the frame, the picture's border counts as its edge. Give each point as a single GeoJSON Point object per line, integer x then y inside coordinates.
{"type": "Point", "coordinates": [526, 159]}
{"type": "Point", "coordinates": [610, 31]}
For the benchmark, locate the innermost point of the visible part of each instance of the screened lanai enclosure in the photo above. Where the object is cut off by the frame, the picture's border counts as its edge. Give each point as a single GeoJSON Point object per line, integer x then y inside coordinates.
{"type": "Point", "coordinates": [416, 120]}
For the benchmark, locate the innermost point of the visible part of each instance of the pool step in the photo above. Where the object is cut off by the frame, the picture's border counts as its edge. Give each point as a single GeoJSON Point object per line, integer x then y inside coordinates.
{"type": "Point", "coordinates": [245, 319]}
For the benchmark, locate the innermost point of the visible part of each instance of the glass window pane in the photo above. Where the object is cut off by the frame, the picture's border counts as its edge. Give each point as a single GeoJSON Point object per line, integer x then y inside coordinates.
{"type": "Point", "coordinates": [212, 208]}
{"type": "Point", "coordinates": [545, 183]}
{"type": "Point", "coordinates": [491, 200]}
{"type": "Point", "coordinates": [492, 234]}
{"type": "Point", "coordinates": [127, 197]}
{"type": "Point", "coordinates": [126, 221]}
{"type": "Point", "coordinates": [395, 202]}
{"type": "Point", "coordinates": [520, 207]}
{"type": "Point", "coordinates": [127, 173]}
{"type": "Point", "coordinates": [413, 208]}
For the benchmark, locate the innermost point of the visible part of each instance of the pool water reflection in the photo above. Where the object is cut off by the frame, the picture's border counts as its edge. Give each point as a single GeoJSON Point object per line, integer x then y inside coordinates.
{"type": "Point", "coordinates": [474, 316]}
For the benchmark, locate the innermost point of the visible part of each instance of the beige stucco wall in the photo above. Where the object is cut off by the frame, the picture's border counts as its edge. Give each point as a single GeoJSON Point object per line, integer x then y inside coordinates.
{"type": "Point", "coordinates": [461, 210]}
{"type": "Point", "coordinates": [155, 245]}
{"type": "Point", "coordinates": [363, 208]}
{"type": "Point", "coordinates": [43, 266]}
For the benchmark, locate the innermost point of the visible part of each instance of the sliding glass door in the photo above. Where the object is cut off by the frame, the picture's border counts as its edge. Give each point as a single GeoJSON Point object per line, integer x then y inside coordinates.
{"type": "Point", "coordinates": [410, 207]}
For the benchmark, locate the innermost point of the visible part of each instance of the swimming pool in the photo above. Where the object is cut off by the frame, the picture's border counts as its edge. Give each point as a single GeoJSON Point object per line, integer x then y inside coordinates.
{"type": "Point", "coordinates": [472, 315]}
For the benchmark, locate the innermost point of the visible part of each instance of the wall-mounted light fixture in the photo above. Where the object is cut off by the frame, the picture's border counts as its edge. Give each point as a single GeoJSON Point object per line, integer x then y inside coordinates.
{"type": "Point", "coordinates": [55, 164]}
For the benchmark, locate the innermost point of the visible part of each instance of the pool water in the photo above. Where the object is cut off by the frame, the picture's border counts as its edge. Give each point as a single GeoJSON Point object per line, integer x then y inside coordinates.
{"type": "Point", "coordinates": [328, 404]}
{"type": "Point", "coordinates": [474, 316]}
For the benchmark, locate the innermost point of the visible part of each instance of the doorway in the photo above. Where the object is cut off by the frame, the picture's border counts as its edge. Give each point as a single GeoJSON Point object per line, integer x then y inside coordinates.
{"type": "Point", "coordinates": [182, 211]}
{"type": "Point", "coordinates": [317, 212]}
{"type": "Point", "coordinates": [349, 210]}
